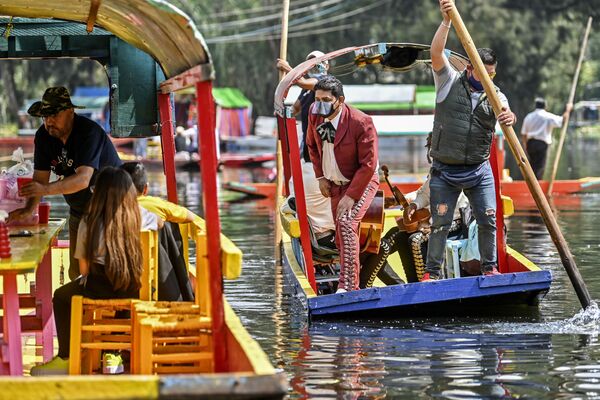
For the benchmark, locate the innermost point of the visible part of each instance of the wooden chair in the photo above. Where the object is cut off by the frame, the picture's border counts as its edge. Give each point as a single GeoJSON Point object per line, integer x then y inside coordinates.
{"type": "Point", "coordinates": [94, 328]}
{"type": "Point", "coordinates": [168, 336]}
{"type": "Point", "coordinates": [94, 323]}
{"type": "Point", "coordinates": [149, 289]}
{"type": "Point", "coordinates": [176, 337]}
{"type": "Point", "coordinates": [175, 344]}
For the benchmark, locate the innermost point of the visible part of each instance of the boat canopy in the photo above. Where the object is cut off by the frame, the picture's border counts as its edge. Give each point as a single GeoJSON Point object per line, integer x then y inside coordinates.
{"type": "Point", "coordinates": [140, 44]}
{"type": "Point", "coordinates": [154, 26]}
{"type": "Point", "coordinates": [397, 57]}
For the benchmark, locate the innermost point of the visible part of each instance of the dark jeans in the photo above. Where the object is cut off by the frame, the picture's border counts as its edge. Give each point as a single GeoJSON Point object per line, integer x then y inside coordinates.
{"type": "Point", "coordinates": [482, 198]}
{"type": "Point", "coordinates": [537, 152]}
{"type": "Point", "coordinates": [73, 262]}
{"type": "Point", "coordinates": [96, 287]}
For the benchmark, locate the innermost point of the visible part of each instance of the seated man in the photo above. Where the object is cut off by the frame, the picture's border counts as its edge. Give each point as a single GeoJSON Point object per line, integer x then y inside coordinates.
{"type": "Point", "coordinates": [174, 284]}
{"type": "Point", "coordinates": [412, 246]}
{"type": "Point", "coordinates": [320, 219]}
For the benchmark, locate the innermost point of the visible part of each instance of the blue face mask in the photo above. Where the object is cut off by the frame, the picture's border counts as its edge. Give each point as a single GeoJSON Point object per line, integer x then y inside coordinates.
{"type": "Point", "coordinates": [475, 83]}
{"type": "Point", "coordinates": [318, 71]}
{"type": "Point", "coordinates": [323, 108]}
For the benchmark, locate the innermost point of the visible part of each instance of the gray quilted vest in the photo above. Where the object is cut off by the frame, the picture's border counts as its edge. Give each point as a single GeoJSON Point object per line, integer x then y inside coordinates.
{"type": "Point", "coordinates": [461, 135]}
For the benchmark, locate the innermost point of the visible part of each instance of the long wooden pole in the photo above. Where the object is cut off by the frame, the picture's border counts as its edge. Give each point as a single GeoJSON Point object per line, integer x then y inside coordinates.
{"type": "Point", "coordinates": [279, 187]}
{"type": "Point", "coordinates": [563, 131]}
{"type": "Point", "coordinates": [534, 187]}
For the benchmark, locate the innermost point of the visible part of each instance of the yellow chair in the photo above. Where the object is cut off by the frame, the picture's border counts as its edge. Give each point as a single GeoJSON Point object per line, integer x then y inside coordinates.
{"type": "Point", "coordinates": [149, 289]}
{"type": "Point", "coordinates": [175, 344]}
{"type": "Point", "coordinates": [171, 338]}
{"type": "Point", "coordinates": [175, 337]}
{"type": "Point", "coordinates": [94, 326]}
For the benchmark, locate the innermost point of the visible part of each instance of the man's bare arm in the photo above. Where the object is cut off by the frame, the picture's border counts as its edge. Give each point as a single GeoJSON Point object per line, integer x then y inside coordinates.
{"type": "Point", "coordinates": [72, 184]}
{"type": "Point", "coordinates": [438, 42]}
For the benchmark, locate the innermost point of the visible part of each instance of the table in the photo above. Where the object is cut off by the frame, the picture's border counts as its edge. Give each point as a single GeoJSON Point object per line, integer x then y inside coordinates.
{"type": "Point", "coordinates": [29, 254]}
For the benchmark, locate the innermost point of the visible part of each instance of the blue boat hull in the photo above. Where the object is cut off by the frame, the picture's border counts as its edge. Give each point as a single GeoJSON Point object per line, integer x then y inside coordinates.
{"type": "Point", "coordinates": [448, 295]}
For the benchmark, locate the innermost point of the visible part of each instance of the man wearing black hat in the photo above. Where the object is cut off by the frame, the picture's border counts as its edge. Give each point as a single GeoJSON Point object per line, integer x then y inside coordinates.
{"type": "Point", "coordinates": [537, 134]}
{"type": "Point", "coordinates": [75, 149]}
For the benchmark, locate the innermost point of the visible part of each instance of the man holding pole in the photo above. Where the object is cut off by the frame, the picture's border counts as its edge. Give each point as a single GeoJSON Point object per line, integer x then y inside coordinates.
{"type": "Point", "coordinates": [537, 134]}
{"type": "Point", "coordinates": [463, 130]}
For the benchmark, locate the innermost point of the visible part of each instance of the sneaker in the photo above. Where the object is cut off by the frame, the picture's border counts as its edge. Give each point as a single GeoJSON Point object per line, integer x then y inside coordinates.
{"type": "Point", "coordinates": [56, 366]}
{"type": "Point", "coordinates": [428, 277]}
{"type": "Point", "coordinates": [491, 272]}
{"type": "Point", "coordinates": [340, 290]}
{"type": "Point", "coordinates": [112, 364]}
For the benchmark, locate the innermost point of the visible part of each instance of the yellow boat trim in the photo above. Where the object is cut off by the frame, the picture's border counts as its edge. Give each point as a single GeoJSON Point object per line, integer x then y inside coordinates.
{"type": "Point", "coordinates": [81, 387]}
{"type": "Point", "coordinates": [257, 357]}
{"type": "Point", "coordinates": [507, 206]}
{"type": "Point", "coordinates": [296, 269]}
{"type": "Point", "coordinates": [290, 224]}
{"type": "Point", "coordinates": [522, 259]}
{"type": "Point", "coordinates": [231, 255]}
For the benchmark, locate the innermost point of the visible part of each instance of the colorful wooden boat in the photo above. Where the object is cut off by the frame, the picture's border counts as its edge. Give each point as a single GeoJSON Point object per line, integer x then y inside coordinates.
{"type": "Point", "coordinates": [167, 53]}
{"type": "Point", "coordinates": [520, 282]}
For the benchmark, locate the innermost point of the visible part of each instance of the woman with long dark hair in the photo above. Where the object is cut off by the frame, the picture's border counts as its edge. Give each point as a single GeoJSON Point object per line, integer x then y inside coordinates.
{"type": "Point", "coordinates": [110, 256]}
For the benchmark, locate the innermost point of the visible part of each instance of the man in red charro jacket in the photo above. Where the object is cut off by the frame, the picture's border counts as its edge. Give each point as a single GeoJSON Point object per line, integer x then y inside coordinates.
{"type": "Point", "coordinates": [342, 144]}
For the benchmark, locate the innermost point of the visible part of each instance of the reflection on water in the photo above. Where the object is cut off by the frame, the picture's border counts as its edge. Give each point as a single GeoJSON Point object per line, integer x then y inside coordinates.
{"type": "Point", "coordinates": [542, 355]}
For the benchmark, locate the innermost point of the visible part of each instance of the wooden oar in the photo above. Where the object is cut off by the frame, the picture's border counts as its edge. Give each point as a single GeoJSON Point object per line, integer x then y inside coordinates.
{"type": "Point", "coordinates": [563, 131]}
{"type": "Point", "coordinates": [534, 187]}
{"type": "Point", "coordinates": [279, 186]}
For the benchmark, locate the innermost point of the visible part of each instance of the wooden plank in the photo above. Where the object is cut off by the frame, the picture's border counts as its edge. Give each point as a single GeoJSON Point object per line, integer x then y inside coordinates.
{"type": "Point", "coordinates": [230, 386]}
{"type": "Point", "coordinates": [25, 300]}
{"type": "Point", "coordinates": [290, 224]}
{"type": "Point", "coordinates": [181, 357]}
{"type": "Point", "coordinates": [108, 387]}
{"type": "Point", "coordinates": [427, 293]}
{"type": "Point", "coordinates": [106, 328]}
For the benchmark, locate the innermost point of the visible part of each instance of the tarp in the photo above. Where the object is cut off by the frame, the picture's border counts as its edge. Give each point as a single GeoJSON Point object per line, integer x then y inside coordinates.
{"type": "Point", "coordinates": [225, 97]}
{"type": "Point", "coordinates": [230, 98]}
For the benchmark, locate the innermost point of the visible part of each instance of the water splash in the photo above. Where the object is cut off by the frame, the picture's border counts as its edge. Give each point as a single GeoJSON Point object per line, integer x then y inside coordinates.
{"type": "Point", "coordinates": [586, 321]}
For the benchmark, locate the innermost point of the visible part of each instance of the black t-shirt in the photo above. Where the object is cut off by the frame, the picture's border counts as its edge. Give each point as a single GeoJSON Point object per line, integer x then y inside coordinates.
{"type": "Point", "coordinates": [87, 145]}
{"type": "Point", "coordinates": [306, 98]}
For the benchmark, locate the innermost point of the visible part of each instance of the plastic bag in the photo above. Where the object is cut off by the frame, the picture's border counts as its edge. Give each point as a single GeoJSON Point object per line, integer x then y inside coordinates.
{"type": "Point", "coordinates": [23, 167]}
{"type": "Point", "coordinates": [470, 251]}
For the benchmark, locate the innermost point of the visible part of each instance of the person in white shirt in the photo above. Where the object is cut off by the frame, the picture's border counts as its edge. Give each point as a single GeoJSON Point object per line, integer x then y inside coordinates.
{"type": "Point", "coordinates": [537, 134]}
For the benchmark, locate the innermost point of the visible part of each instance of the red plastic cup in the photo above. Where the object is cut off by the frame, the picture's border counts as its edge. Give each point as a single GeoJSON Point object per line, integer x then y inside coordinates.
{"type": "Point", "coordinates": [43, 212]}
{"type": "Point", "coordinates": [22, 181]}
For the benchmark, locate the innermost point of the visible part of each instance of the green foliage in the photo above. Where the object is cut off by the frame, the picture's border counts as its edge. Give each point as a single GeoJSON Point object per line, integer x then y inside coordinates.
{"type": "Point", "coordinates": [537, 43]}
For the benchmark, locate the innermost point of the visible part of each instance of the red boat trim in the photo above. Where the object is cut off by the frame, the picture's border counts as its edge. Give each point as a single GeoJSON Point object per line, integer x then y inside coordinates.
{"type": "Point", "coordinates": [168, 145]}
{"type": "Point", "coordinates": [208, 169]}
